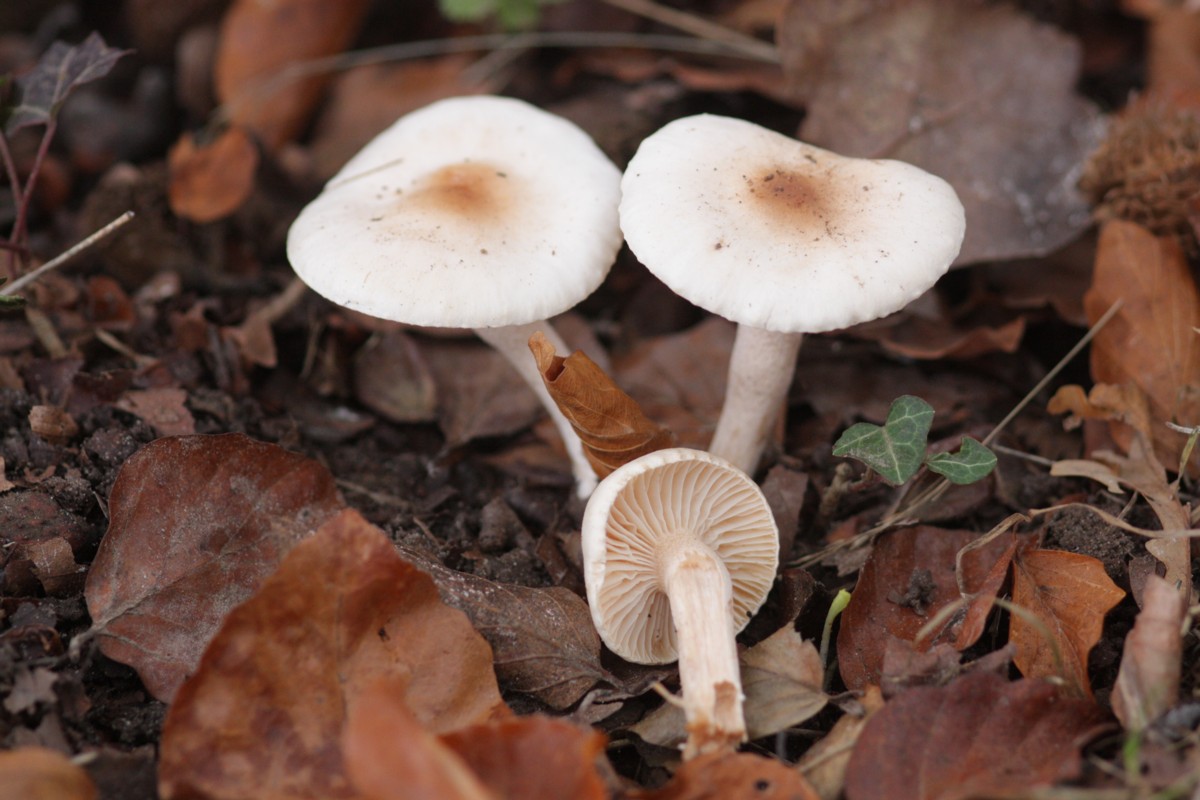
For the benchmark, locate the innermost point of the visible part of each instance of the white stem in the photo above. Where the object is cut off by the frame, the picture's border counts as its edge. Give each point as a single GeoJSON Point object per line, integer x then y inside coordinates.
{"type": "Point", "coordinates": [698, 587]}
{"type": "Point", "coordinates": [512, 341]}
{"type": "Point", "coordinates": [760, 373]}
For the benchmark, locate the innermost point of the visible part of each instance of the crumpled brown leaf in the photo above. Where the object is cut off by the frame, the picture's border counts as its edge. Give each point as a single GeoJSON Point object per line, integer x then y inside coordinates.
{"type": "Point", "coordinates": [979, 736]}
{"type": "Point", "coordinates": [1148, 681]}
{"type": "Point", "coordinates": [196, 523]}
{"type": "Point", "coordinates": [978, 94]}
{"type": "Point", "coordinates": [610, 423]}
{"type": "Point", "coordinates": [37, 773]}
{"type": "Point", "coordinates": [1069, 594]}
{"type": "Point", "coordinates": [210, 181]}
{"type": "Point", "coordinates": [264, 714]}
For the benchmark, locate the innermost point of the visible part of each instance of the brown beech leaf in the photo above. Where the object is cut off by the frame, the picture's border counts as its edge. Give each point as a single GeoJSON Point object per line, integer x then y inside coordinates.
{"type": "Point", "coordinates": [979, 94]}
{"type": "Point", "coordinates": [37, 773]}
{"type": "Point", "coordinates": [914, 336]}
{"type": "Point", "coordinates": [162, 408]}
{"type": "Point", "coordinates": [1069, 594]}
{"type": "Point", "coordinates": [211, 181]}
{"type": "Point", "coordinates": [195, 524]}
{"type": "Point", "coordinates": [479, 392]}
{"type": "Point", "coordinates": [1148, 681]}
{"type": "Point", "coordinates": [543, 640]}
{"type": "Point", "coordinates": [824, 764]}
{"type": "Point", "coordinates": [979, 736]}
{"type": "Point", "coordinates": [610, 423]}
{"type": "Point", "coordinates": [909, 576]}
{"type": "Point", "coordinates": [264, 714]}
{"type": "Point", "coordinates": [1151, 341]}
{"type": "Point", "coordinates": [258, 39]}
{"type": "Point", "coordinates": [732, 776]}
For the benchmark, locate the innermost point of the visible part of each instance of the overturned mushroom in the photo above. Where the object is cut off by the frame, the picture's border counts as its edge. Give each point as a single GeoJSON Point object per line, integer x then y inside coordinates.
{"type": "Point", "coordinates": [784, 239]}
{"type": "Point", "coordinates": [680, 550]}
{"type": "Point", "coordinates": [473, 212]}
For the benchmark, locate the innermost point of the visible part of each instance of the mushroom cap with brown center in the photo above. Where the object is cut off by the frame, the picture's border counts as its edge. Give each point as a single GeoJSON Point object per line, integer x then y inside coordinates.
{"type": "Point", "coordinates": [652, 504]}
{"type": "Point", "coordinates": [471, 212]}
{"type": "Point", "coordinates": [774, 233]}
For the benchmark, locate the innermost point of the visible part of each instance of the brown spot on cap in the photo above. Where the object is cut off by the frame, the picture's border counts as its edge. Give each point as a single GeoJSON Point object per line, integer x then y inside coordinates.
{"type": "Point", "coordinates": [794, 198]}
{"type": "Point", "coordinates": [474, 190]}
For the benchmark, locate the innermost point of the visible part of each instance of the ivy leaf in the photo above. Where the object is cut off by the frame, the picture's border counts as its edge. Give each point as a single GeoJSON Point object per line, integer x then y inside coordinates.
{"type": "Point", "coordinates": [511, 14]}
{"type": "Point", "coordinates": [971, 462]}
{"type": "Point", "coordinates": [896, 449]}
{"type": "Point", "coordinates": [60, 70]}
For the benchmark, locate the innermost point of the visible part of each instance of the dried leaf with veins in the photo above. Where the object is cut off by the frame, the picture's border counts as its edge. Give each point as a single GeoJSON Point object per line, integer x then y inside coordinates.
{"type": "Point", "coordinates": [610, 423]}
{"type": "Point", "coordinates": [264, 714]}
{"type": "Point", "coordinates": [1148, 681]}
{"type": "Point", "coordinates": [1068, 594]}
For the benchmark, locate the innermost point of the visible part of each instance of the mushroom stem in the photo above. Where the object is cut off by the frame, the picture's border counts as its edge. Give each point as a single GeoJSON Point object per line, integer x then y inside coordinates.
{"type": "Point", "coordinates": [700, 593]}
{"type": "Point", "coordinates": [512, 341]}
{"type": "Point", "coordinates": [760, 373]}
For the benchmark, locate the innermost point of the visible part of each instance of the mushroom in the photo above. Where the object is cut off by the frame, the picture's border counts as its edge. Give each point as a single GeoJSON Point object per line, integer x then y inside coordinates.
{"type": "Point", "coordinates": [784, 239]}
{"type": "Point", "coordinates": [679, 551]}
{"type": "Point", "coordinates": [473, 212]}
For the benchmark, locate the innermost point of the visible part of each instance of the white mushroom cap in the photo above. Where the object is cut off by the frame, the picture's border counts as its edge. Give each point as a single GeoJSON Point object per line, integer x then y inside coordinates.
{"type": "Point", "coordinates": [656, 504]}
{"type": "Point", "coordinates": [471, 212]}
{"type": "Point", "coordinates": [774, 233]}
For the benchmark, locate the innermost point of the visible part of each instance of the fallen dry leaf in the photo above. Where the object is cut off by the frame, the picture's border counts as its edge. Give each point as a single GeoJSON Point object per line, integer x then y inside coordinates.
{"type": "Point", "coordinates": [1151, 340]}
{"type": "Point", "coordinates": [53, 424]}
{"type": "Point", "coordinates": [610, 423]}
{"type": "Point", "coordinates": [913, 336]}
{"type": "Point", "coordinates": [910, 575]}
{"type": "Point", "coordinates": [37, 773]}
{"type": "Point", "coordinates": [1069, 594]}
{"type": "Point", "coordinates": [979, 94]}
{"type": "Point", "coordinates": [732, 776]}
{"type": "Point", "coordinates": [824, 764]}
{"type": "Point", "coordinates": [543, 640]}
{"type": "Point", "coordinates": [264, 714]}
{"type": "Point", "coordinates": [164, 409]}
{"type": "Point", "coordinates": [980, 736]}
{"type": "Point", "coordinates": [392, 378]}
{"type": "Point", "coordinates": [210, 181]}
{"type": "Point", "coordinates": [1148, 681]}
{"type": "Point", "coordinates": [259, 39]}
{"type": "Point", "coordinates": [196, 523]}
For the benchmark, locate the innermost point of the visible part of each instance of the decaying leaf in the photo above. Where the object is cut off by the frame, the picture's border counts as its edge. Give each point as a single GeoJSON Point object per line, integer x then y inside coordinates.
{"type": "Point", "coordinates": [162, 408]}
{"type": "Point", "coordinates": [732, 776]}
{"type": "Point", "coordinates": [1069, 594]}
{"type": "Point", "coordinates": [824, 764]}
{"type": "Point", "coordinates": [37, 773]}
{"type": "Point", "coordinates": [979, 94]}
{"type": "Point", "coordinates": [60, 70]}
{"type": "Point", "coordinates": [610, 423]}
{"type": "Point", "coordinates": [211, 181]}
{"type": "Point", "coordinates": [1148, 682]}
{"type": "Point", "coordinates": [479, 393]}
{"type": "Point", "coordinates": [264, 714]}
{"type": "Point", "coordinates": [1151, 341]}
{"type": "Point", "coordinates": [196, 523]}
{"type": "Point", "coordinates": [543, 640]}
{"type": "Point", "coordinates": [979, 736]}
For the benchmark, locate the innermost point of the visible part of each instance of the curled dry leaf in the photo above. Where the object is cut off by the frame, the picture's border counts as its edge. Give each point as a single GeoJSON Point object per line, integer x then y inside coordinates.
{"type": "Point", "coordinates": [264, 714]}
{"type": "Point", "coordinates": [979, 736]}
{"type": "Point", "coordinates": [37, 773]}
{"type": "Point", "coordinates": [1148, 681]}
{"type": "Point", "coordinates": [610, 423]}
{"type": "Point", "coordinates": [732, 776]}
{"type": "Point", "coordinates": [211, 181]}
{"type": "Point", "coordinates": [195, 524]}
{"type": "Point", "coordinates": [1069, 594]}
{"type": "Point", "coordinates": [259, 39]}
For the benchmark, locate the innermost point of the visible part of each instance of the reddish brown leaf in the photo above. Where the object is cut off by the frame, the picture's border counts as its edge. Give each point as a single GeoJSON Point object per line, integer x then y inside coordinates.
{"type": "Point", "coordinates": [196, 523]}
{"type": "Point", "coordinates": [259, 39]}
{"type": "Point", "coordinates": [163, 409]}
{"type": "Point", "coordinates": [1151, 341]}
{"type": "Point", "coordinates": [392, 378]}
{"type": "Point", "coordinates": [732, 776]}
{"type": "Point", "coordinates": [53, 424]}
{"type": "Point", "coordinates": [980, 736]}
{"type": "Point", "coordinates": [914, 336]}
{"type": "Point", "coordinates": [824, 764]}
{"type": "Point", "coordinates": [610, 423]}
{"type": "Point", "coordinates": [1148, 682]}
{"type": "Point", "coordinates": [211, 181]}
{"type": "Point", "coordinates": [980, 606]}
{"type": "Point", "coordinates": [979, 94]}
{"type": "Point", "coordinates": [35, 773]}
{"type": "Point", "coordinates": [479, 392]}
{"type": "Point", "coordinates": [908, 578]}
{"type": "Point", "coordinates": [1069, 594]}
{"type": "Point", "coordinates": [533, 758]}
{"type": "Point", "coordinates": [264, 714]}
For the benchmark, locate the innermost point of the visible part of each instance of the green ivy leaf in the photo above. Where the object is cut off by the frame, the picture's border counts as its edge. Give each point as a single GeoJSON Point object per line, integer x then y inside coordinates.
{"type": "Point", "coordinates": [972, 462]}
{"type": "Point", "coordinates": [58, 72]}
{"type": "Point", "coordinates": [511, 14]}
{"type": "Point", "coordinates": [896, 449]}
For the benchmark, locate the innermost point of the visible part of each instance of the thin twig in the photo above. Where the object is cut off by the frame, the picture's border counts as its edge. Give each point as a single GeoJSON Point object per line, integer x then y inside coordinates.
{"type": "Point", "coordinates": [66, 255]}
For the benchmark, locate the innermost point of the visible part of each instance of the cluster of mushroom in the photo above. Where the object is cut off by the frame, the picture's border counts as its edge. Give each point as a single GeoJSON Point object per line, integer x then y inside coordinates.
{"type": "Point", "coordinates": [487, 213]}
